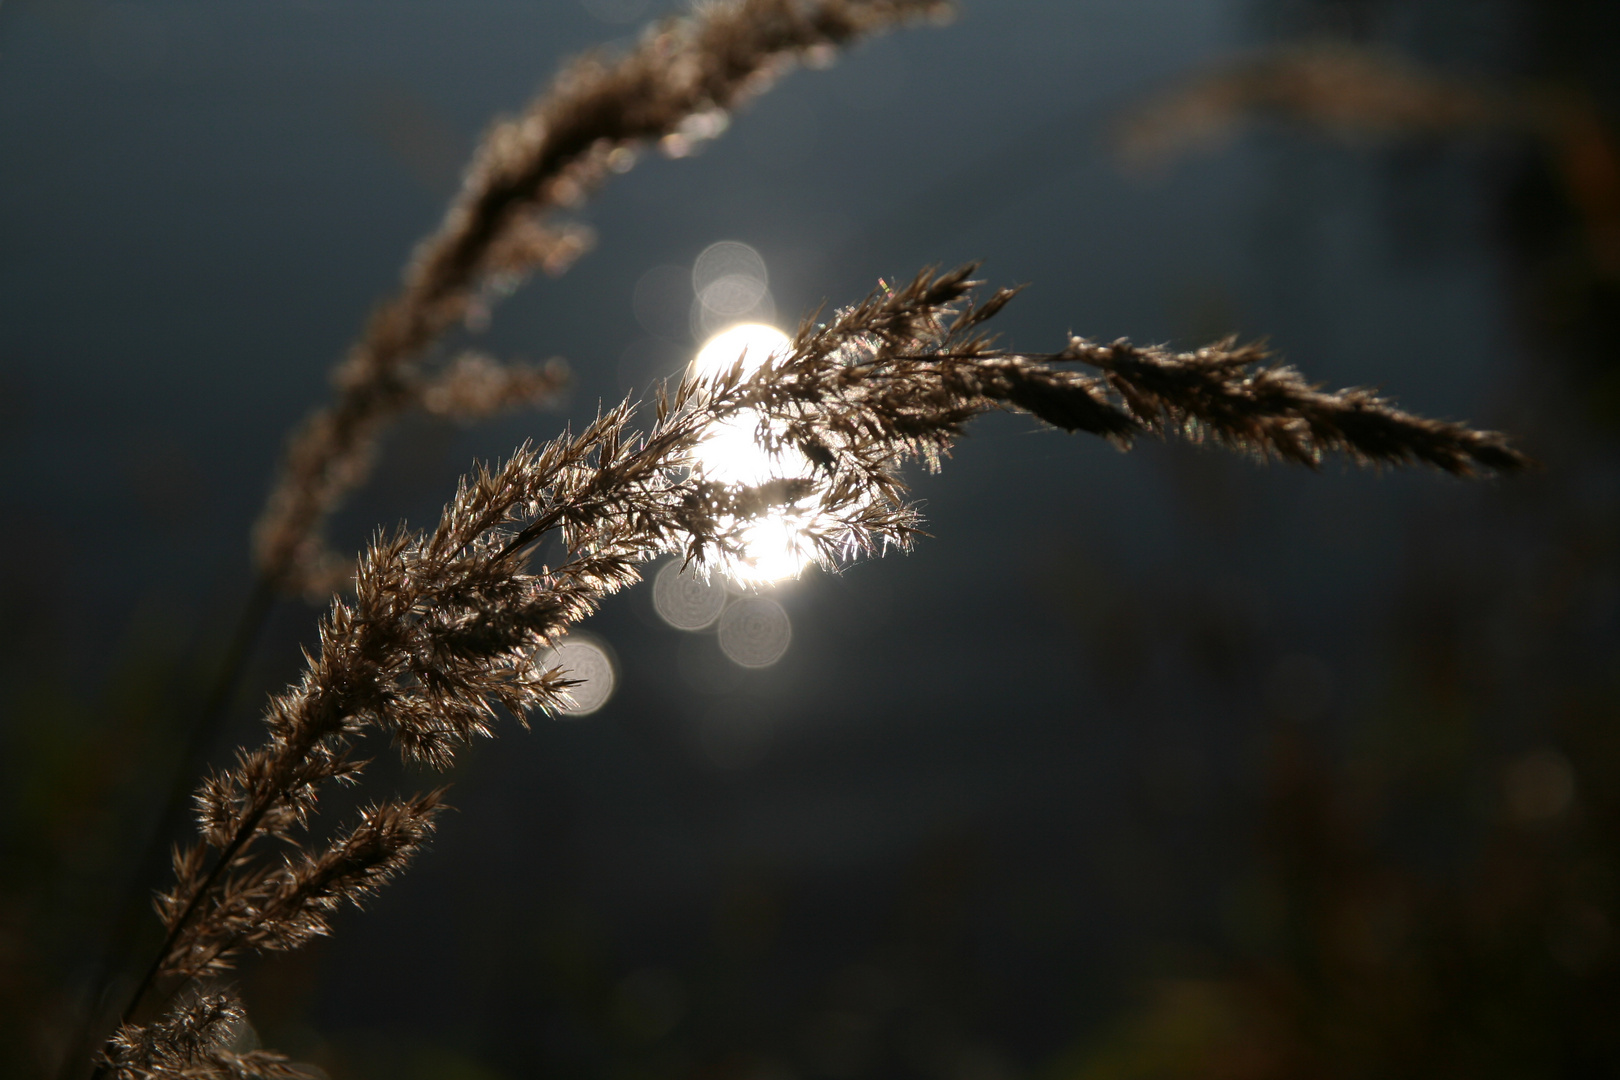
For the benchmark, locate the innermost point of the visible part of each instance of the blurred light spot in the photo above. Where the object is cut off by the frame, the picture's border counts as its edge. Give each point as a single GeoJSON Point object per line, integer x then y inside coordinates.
{"type": "Point", "coordinates": [589, 662]}
{"type": "Point", "coordinates": [731, 284]}
{"type": "Point", "coordinates": [649, 1003]}
{"type": "Point", "coordinates": [686, 600]}
{"type": "Point", "coordinates": [733, 295]}
{"type": "Point", "coordinates": [734, 740]}
{"type": "Point", "coordinates": [735, 264]}
{"type": "Point", "coordinates": [1539, 786]}
{"type": "Point", "coordinates": [616, 11]}
{"type": "Point", "coordinates": [704, 321]}
{"type": "Point", "coordinates": [755, 631]}
{"type": "Point", "coordinates": [708, 124]}
{"type": "Point", "coordinates": [1299, 688]}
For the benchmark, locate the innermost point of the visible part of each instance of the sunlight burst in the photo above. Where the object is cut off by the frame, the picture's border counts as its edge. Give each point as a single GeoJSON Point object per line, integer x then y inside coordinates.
{"type": "Point", "coordinates": [777, 546]}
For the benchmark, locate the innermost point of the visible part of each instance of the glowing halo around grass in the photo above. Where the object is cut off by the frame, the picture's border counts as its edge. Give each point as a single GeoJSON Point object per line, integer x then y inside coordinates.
{"type": "Point", "coordinates": [589, 662]}
{"type": "Point", "coordinates": [776, 547]}
{"type": "Point", "coordinates": [754, 343]}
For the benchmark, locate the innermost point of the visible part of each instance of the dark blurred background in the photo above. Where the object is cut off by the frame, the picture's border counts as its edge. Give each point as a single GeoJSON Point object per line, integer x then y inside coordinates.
{"type": "Point", "coordinates": [1148, 765]}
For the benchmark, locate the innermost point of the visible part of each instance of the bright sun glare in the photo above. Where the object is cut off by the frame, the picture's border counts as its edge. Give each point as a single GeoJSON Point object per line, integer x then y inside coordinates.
{"type": "Point", "coordinates": [753, 342]}
{"type": "Point", "coordinates": [776, 548]}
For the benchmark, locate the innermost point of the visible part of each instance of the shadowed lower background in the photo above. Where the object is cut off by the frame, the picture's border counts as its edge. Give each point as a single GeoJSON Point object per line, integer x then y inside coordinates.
{"type": "Point", "coordinates": [1147, 765]}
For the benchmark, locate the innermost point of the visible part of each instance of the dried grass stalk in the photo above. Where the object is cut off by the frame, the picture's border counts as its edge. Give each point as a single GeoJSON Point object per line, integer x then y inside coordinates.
{"type": "Point", "coordinates": [1228, 392]}
{"type": "Point", "coordinates": [674, 87]}
{"type": "Point", "coordinates": [446, 626]}
{"type": "Point", "coordinates": [194, 1043]}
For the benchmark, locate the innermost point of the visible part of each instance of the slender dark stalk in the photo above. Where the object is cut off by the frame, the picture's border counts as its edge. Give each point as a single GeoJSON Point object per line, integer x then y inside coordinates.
{"type": "Point", "coordinates": [149, 979]}
{"type": "Point", "coordinates": [197, 739]}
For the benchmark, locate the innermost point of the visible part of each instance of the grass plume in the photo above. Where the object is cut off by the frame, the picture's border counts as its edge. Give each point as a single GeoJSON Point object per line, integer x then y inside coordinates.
{"type": "Point", "coordinates": [194, 1042]}
{"type": "Point", "coordinates": [446, 627]}
{"type": "Point", "coordinates": [675, 87]}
